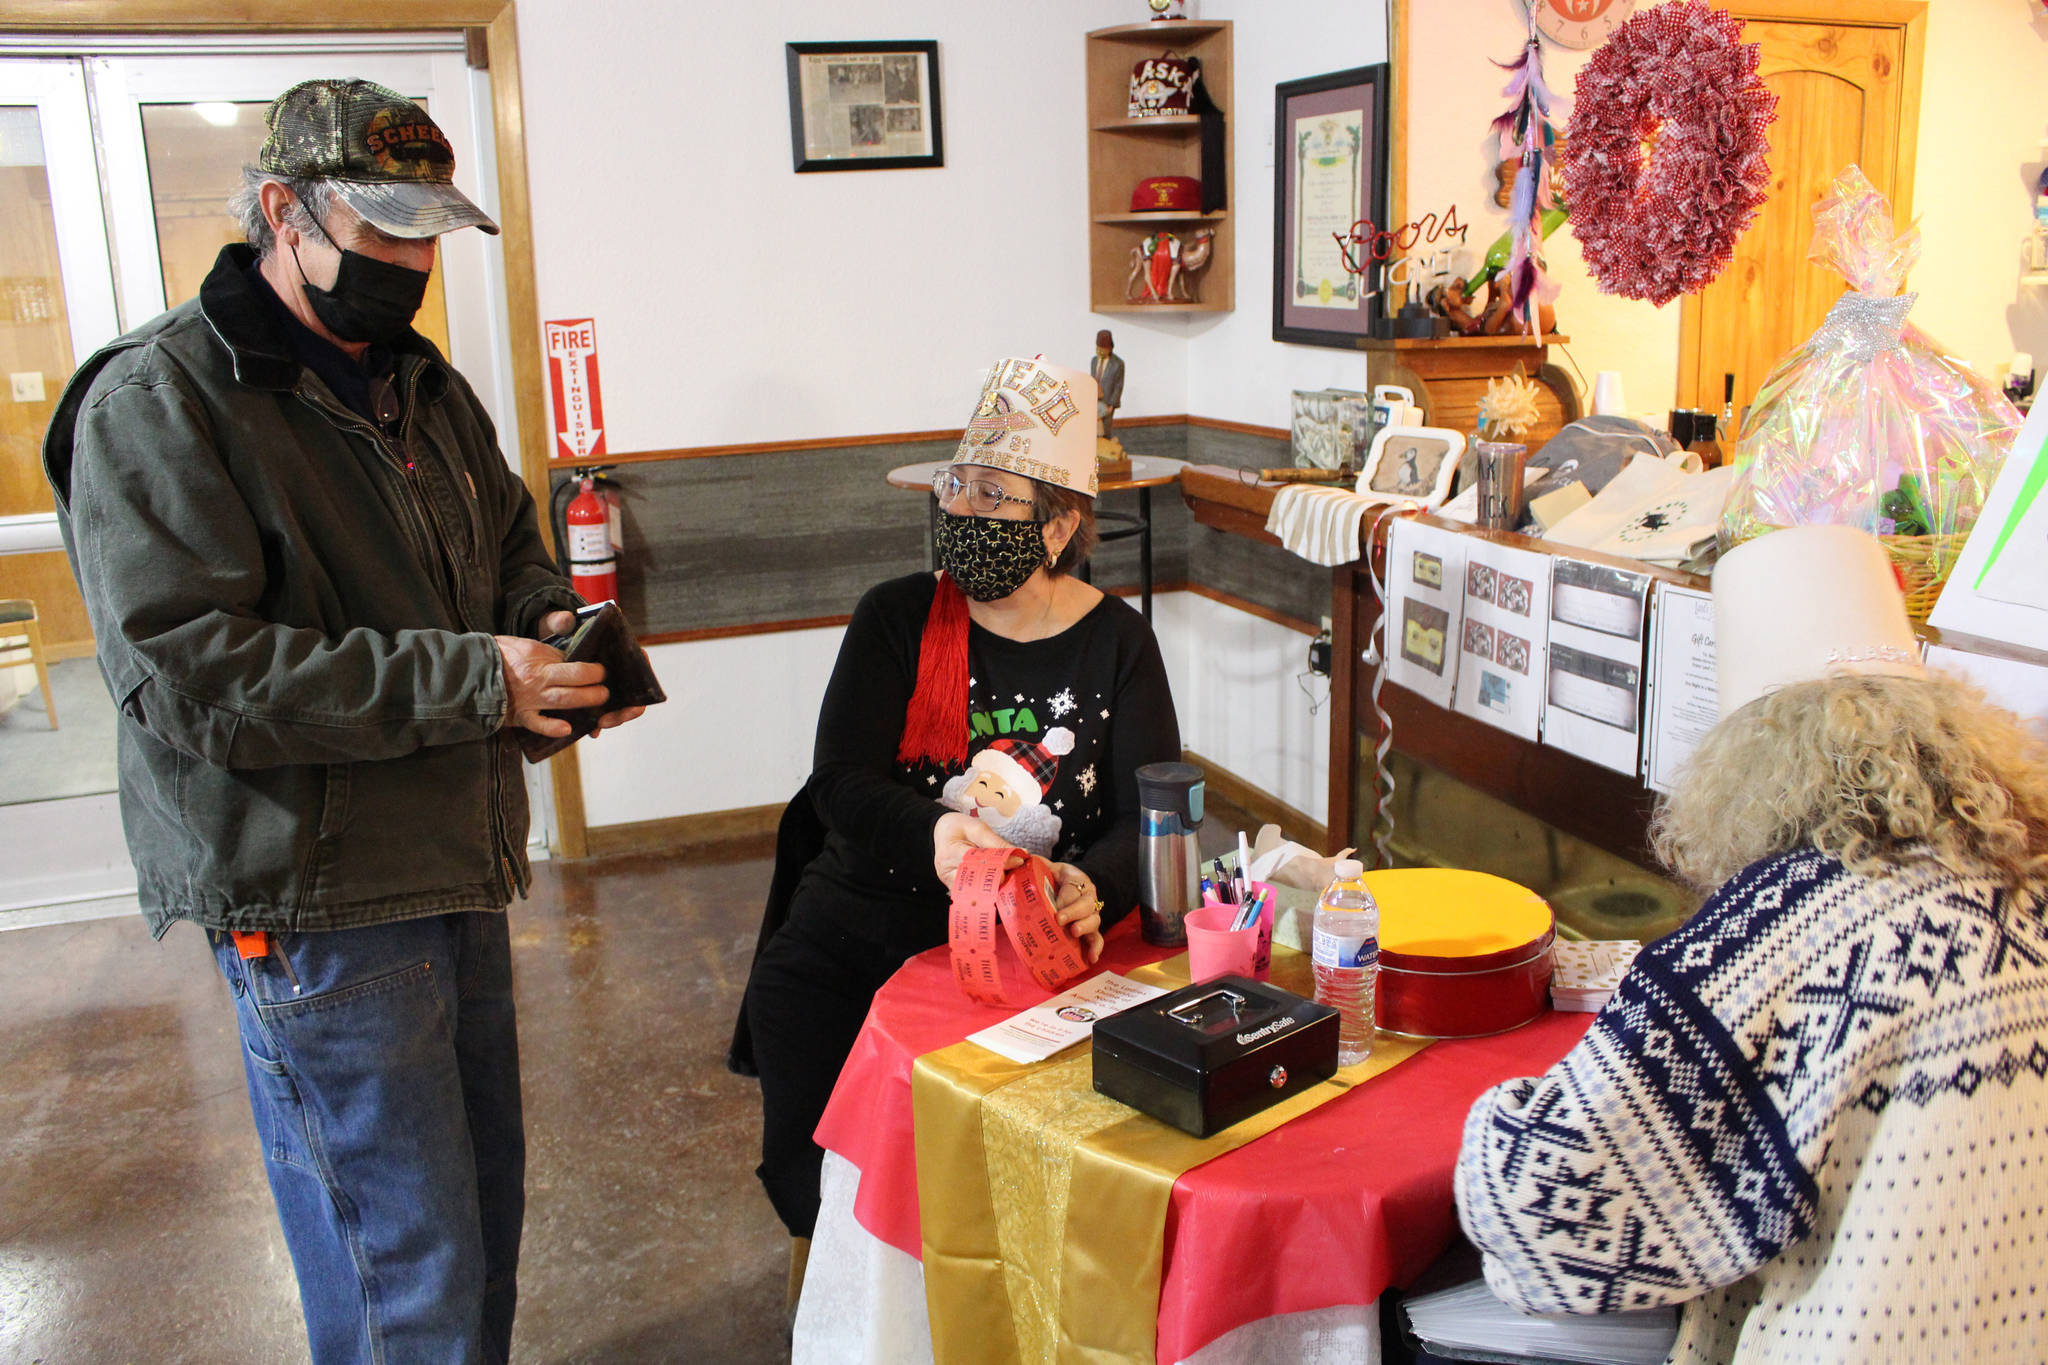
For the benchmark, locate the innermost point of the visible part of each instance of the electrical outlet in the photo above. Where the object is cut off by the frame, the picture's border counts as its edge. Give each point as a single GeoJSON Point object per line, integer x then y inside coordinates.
{"type": "Point", "coordinates": [1319, 652]}
{"type": "Point", "coordinates": [26, 386]}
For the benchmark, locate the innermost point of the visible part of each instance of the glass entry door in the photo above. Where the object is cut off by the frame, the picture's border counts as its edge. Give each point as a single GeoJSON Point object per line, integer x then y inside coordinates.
{"type": "Point", "coordinates": [167, 135]}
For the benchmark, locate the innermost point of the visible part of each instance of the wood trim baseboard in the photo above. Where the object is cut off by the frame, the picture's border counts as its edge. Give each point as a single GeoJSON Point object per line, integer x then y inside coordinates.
{"type": "Point", "coordinates": [1263, 807]}
{"type": "Point", "coordinates": [882, 438]}
{"type": "Point", "coordinates": [1242, 428]}
{"type": "Point", "coordinates": [748, 831]}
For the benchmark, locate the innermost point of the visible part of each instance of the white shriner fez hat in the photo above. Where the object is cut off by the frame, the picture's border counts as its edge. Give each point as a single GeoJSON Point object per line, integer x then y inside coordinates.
{"type": "Point", "coordinates": [1037, 419]}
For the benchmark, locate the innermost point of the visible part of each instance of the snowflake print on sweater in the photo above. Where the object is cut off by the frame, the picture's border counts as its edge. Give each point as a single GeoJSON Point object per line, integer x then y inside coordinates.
{"type": "Point", "coordinates": [1816, 1115]}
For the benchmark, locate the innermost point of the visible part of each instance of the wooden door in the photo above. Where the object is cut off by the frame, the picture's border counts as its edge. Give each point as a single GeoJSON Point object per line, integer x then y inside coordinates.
{"type": "Point", "coordinates": [1847, 77]}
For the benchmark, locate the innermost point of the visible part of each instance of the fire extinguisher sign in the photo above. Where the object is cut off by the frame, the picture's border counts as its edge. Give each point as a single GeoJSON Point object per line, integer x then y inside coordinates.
{"type": "Point", "coordinates": [572, 374]}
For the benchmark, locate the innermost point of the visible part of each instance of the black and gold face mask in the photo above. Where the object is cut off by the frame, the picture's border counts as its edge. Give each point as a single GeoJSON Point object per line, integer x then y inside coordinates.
{"type": "Point", "coordinates": [989, 557]}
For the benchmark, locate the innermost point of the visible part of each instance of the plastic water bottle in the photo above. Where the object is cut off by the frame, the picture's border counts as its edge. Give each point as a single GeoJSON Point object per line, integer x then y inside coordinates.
{"type": "Point", "coordinates": [1347, 958]}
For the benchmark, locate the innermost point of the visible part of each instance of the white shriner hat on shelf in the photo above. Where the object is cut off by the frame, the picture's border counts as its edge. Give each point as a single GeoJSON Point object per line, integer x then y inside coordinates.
{"type": "Point", "coordinates": [1037, 419]}
{"type": "Point", "coordinates": [1803, 603]}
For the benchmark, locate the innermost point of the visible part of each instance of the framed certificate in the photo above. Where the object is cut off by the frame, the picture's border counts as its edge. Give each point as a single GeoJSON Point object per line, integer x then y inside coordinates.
{"type": "Point", "coordinates": [1331, 148]}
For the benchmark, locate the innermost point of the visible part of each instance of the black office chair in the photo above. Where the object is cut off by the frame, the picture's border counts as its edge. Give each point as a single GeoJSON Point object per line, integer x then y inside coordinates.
{"type": "Point", "coordinates": [799, 837]}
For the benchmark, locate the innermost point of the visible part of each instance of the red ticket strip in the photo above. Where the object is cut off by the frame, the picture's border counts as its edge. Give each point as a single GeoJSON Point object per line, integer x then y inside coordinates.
{"type": "Point", "coordinates": [1022, 901]}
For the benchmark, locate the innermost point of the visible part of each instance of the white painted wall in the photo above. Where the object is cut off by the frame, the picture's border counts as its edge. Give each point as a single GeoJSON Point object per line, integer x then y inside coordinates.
{"type": "Point", "coordinates": [1238, 691]}
{"type": "Point", "coordinates": [737, 301]}
{"type": "Point", "coordinates": [735, 732]}
{"type": "Point", "coordinates": [1983, 114]}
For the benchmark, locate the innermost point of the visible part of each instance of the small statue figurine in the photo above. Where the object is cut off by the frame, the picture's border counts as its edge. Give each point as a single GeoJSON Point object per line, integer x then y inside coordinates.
{"type": "Point", "coordinates": [1106, 368]}
{"type": "Point", "coordinates": [1168, 9]}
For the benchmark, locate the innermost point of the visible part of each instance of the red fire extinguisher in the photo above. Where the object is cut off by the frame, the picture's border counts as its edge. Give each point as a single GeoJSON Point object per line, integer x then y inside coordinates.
{"type": "Point", "coordinates": [593, 567]}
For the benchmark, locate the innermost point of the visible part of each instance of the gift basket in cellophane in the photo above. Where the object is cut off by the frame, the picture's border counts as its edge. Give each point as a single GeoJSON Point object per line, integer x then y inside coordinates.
{"type": "Point", "coordinates": [1867, 423]}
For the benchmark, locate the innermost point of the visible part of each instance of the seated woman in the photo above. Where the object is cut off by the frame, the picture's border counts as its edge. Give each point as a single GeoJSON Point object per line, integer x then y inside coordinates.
{"type": "Point", "coordinates": [1814, 1115]}
{"type": "Point", "coordinates": [1003, 702]}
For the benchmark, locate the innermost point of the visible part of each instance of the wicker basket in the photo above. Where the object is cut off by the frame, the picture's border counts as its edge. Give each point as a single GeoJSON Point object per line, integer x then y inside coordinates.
{"type": "Point", "coordinates": [1923, 564]}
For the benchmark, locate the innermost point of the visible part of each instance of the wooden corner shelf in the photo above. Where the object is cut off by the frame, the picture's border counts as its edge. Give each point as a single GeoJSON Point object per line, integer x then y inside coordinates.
{"type": "Point", "coordinates": [1122, 151]}
{"type": "Point", "coordinates": [1163, 216]}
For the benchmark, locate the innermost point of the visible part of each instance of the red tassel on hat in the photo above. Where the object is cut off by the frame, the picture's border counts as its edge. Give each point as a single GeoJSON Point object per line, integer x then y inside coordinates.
{"type": "Point", "coordinates": [935, 723]}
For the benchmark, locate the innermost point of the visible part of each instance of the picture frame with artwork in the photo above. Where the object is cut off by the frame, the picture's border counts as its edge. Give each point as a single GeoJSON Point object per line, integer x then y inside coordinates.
{"type": "Point", "coordinates": [1412, 465]}
{"type": "Point", "coordinates": [864, 106]}
{"type": "Point", "coordinates": [1332, 140]}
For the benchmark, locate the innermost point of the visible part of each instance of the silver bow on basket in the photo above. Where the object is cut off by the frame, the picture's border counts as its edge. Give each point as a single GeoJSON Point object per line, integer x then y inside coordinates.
{"type": "Point", "coordinates": [1864, 326]}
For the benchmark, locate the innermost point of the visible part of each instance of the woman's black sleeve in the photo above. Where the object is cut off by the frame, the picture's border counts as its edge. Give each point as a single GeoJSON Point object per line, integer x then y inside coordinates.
{"type": "Point", "coordinates": [1145, 730]}
{"type": "Point", "coordinates": [859, 727]}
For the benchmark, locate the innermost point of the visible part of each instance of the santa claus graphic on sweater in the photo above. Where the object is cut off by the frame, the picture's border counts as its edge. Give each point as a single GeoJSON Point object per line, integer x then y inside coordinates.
{"type": "Point", "coordinates": [1005, 784]}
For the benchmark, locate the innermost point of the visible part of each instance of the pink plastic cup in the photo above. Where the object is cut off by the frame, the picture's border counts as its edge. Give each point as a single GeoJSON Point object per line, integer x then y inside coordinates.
{"type": "Point", "coordinates": [1215, 949]}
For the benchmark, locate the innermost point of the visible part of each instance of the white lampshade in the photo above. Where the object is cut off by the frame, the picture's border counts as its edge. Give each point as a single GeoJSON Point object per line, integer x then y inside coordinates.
{"type": "Point", "coordinates": [1805, 602]}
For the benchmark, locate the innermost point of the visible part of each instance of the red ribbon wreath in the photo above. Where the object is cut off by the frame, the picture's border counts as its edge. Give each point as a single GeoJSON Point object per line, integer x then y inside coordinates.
{"type": "Point", "coordinates": [1664, 160]}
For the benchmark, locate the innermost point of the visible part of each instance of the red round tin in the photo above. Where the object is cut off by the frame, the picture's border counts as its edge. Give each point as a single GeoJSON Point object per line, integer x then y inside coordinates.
{"type": "Point", "coordinates": [1462, 954]}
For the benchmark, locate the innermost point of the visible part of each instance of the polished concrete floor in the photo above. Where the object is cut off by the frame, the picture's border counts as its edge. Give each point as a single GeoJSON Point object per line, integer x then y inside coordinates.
{"type": "Point", "coordinates": [136, 1226]}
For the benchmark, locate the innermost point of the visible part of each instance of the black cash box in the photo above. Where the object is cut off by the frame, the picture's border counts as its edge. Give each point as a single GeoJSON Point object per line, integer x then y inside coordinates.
{"type": "Point", "coordinates": [1215, 1053]}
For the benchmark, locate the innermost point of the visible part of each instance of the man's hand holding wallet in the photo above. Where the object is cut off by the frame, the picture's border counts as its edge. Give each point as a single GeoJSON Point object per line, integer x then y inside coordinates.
{"type": "Point", "coordinates": [590, 674]}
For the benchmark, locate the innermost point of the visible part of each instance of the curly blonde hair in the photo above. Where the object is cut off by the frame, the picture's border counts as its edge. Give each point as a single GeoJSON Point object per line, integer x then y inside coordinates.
{"type": "Point", "coordinates": [1878, 771]}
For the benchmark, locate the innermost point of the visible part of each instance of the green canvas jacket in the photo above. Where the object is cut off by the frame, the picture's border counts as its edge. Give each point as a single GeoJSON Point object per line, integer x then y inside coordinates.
{"type": "Point", "coordinates": [294, 615]}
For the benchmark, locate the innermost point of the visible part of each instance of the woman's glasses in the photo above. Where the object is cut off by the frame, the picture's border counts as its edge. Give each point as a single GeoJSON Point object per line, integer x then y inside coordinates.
{"type": "Point", "coordinates": [984, 499]}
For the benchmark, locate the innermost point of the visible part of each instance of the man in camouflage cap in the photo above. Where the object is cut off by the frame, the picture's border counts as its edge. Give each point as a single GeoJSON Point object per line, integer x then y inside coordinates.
{"type": "Point", "coordinates": [318, 595]}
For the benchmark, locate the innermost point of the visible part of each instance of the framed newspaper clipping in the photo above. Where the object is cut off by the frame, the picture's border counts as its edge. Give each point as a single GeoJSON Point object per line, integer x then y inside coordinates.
{"type": "Point", "coordinates": [864, 106]}
{"type": "Point", "coordinates": [1331, 137]}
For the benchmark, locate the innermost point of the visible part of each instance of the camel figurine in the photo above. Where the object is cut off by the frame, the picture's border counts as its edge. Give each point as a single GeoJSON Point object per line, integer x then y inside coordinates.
{"type": "Point", "coordinates": [1163, 264]}
{"type": "Point", "coordinates": [1193, 257]}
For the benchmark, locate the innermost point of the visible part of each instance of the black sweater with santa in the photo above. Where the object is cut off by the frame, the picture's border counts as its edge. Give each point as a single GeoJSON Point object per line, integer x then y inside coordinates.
{"type": "Point", "coordinates": [1058, 730]}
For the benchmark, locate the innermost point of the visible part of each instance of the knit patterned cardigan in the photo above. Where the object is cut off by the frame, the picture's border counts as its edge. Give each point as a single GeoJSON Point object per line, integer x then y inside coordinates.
{"type": "Point", "coordinates": [1816, 1116]}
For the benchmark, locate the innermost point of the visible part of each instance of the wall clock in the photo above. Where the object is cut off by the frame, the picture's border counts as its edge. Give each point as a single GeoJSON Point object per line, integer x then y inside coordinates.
{"type": "Point", "coordinates": [1579, 23]}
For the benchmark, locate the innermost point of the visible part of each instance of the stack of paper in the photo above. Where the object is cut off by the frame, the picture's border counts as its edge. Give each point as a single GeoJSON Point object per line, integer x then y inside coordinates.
{"type": "Point", "coordinates": [1584, 976]}
{"type": "Point", "coordinates": [1064, 1020]}
{"type": "Point", "coordinates": [1469, 1318]}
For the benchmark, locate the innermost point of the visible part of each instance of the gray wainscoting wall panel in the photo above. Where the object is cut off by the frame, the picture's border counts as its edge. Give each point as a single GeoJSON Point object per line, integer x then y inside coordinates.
{"type": "Point", "coordinates": [731, 541]}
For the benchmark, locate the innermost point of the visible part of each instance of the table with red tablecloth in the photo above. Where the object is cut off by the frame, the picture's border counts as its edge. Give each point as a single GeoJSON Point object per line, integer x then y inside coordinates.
{"type": "Point", "coordinates": [1340, 1203]}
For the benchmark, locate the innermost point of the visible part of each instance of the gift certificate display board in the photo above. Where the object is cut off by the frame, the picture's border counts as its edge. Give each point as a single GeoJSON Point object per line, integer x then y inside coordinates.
{"type": "Point", "coordinates": [1999, 589]}
{"type": "Point", "coordinates": [1685, 700]}
{"type": "Point", "coordinates": [1593, 699]}
{"type": "Point", "coordinates": [1501, 643]}
{"type": "Point", "coordinates": [1425, 609]}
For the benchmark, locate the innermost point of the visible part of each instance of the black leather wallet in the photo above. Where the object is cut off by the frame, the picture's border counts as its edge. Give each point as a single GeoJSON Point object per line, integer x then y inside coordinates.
{"type": "Point", "coordinates": [599, 637]}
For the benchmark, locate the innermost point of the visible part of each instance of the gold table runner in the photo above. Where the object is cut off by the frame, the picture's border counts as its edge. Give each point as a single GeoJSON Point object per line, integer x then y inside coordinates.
{"type": "Point", "coordinates": [1043, 1204]}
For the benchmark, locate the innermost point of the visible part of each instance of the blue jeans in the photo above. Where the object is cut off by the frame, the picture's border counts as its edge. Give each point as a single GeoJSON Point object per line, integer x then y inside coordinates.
{"type": "Point", "coordinates": [386, 1094]}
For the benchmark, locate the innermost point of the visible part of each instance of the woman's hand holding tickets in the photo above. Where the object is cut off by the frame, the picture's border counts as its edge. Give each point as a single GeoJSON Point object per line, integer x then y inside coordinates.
{"type": "Point", "coordinates": [957, 833]}
{"type": "Point", "coordinates": [1080, 909]}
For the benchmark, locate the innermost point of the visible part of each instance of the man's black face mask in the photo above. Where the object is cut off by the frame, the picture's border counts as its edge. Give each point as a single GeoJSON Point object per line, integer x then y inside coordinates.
{"type": "Point", "coordinates": [371, 300]}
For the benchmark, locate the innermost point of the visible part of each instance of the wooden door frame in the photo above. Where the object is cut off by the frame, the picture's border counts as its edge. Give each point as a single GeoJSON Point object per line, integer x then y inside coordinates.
{"type": "Point", "coordinates": [492, 34]}
{"type": "Point", "coordinates": [1909, 17]}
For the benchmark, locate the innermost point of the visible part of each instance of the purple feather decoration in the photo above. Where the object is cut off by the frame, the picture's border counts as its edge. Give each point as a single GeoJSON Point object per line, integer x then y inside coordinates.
{"type": "Point", "coordinates": [1527, 129]}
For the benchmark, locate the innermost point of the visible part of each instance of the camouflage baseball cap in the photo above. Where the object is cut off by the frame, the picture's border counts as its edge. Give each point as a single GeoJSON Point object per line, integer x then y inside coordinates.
{"type": "Point", "coordinates": [387, 160]}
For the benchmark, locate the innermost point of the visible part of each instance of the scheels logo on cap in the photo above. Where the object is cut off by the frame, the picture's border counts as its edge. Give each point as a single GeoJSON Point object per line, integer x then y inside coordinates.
{"type": "Point", "coordinates": [400, 143]}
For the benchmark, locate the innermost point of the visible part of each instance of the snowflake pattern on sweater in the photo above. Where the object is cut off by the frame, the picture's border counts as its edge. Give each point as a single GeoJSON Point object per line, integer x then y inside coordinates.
{"type": "Point", "coordinates": [1814, 1115]}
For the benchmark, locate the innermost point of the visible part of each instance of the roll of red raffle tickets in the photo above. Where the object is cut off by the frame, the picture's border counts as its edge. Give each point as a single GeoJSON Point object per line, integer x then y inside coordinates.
{"type": "Point", "coordinates": [1023, 901]}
